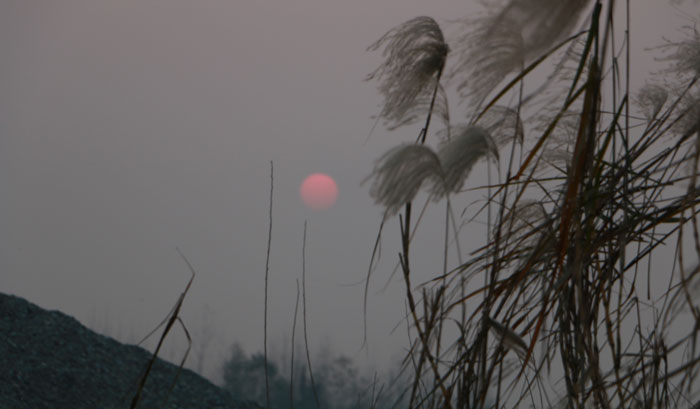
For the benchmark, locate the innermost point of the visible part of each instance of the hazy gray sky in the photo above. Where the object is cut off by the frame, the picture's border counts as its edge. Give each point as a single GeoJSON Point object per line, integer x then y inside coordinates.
{"type": "Point", "coordinates": [130, 128]}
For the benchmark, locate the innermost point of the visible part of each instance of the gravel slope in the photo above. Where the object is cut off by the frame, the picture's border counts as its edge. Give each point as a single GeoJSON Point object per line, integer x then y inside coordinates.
{"type": "Point", "coordinates": [50, 360]}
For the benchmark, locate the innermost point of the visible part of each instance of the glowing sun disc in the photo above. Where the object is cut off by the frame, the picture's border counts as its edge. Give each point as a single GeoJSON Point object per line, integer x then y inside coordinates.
{"type": "Point", "coordinates": [319, 191]}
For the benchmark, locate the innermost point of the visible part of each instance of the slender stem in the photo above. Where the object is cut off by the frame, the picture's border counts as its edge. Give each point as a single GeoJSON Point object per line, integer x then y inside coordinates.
{"type": "Point", "coordinates": [405, 265]}
{"type": "Point", "coordinates": [294, 329]}
{"type": "Point", "coordinates": [267, 273]}
{"type": "Point", "coordinates": [306, 338]}
{"type": "Point", "coordinates": [424, 132]}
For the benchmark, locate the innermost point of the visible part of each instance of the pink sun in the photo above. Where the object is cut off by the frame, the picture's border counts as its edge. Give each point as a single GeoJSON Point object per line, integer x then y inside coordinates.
{"type": "Point", "coordinates": [319, 191]}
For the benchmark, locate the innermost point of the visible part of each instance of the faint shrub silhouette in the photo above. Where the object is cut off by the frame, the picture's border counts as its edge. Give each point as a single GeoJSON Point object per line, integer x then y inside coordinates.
{"type": "Point", "coordinates": [338, 383]}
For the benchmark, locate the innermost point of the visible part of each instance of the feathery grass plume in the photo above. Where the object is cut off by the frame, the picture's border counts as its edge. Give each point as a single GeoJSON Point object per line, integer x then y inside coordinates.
{"type": "Point", "coordinates": [399, 174]}
{"type": "Point", "coordinates": [561, 143]}
{"type": "Point", "coordinates": [554, 91]}
{"type": "Point", "coordinates": [546, 102]}
{"type": "Point", "coordinates": [459, 154]}
{"type": "Point", "coordinates": [520, 222]}
{"type": "Point", "coordinates": [421, 106]}
{"type": "Point", "coordinates": [503, 41]}
{"type": "Point", "coordinates": [686, 119]}
{"type": "Point", "coordinates": [685, 55]}
{"type": "Point", "coordinates": [415, 53]}
{"type": "Point", "coordinates": [503, 124]}
{"type": "Point", "coordinates": [558, 148]}
{"type": "Point", "coordinates": [651, 98]}
{"type": "Point", "coordinates": [498, 126]}
{"type": "Point", "coordinates": [486, 54]}
{"type": "Point", "coordinates": [510, 339]}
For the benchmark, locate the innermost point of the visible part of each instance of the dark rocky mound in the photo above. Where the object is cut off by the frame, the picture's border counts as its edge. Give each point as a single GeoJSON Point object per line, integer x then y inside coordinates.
{"type": "Point", "coordinates": [50, 360]}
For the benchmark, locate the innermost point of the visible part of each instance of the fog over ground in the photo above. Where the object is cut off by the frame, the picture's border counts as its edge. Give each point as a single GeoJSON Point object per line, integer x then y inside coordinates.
{"type": "Point", "coordinates": [130, 128]}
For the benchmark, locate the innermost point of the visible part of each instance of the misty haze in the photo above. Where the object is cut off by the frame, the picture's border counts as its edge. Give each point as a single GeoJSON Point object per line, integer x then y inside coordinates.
{"type": "Point", "coordinates": [422, 204]}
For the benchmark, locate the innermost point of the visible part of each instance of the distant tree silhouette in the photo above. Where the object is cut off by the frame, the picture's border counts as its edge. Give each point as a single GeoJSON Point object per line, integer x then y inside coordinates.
{"type": "Point", "coordinates": [339, 384]}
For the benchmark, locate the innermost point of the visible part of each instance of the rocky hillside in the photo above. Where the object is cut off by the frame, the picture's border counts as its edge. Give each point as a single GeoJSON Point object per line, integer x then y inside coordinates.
{"type": "Point", "coordinates": [50, 360]}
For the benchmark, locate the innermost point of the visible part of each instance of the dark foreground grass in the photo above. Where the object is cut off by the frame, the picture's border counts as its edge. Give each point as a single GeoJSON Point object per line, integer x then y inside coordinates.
{"type": "Point", "coordinates": [590, 274]}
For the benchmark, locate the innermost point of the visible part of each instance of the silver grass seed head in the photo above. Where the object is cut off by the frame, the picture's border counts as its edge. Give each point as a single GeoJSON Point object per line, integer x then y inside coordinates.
{"type": "Point", "coordinates": [503, 124]}
{"type": "Point", "coordinates": [519, 222]}
{"type": "Point", "coordinates": [651, 98]}
{"type": "Point", "coordinates": [558, 149]}
{"type": "Point", "coordinates": [687, 119]}
{"type": "Point", "coordinates": [459, 155]}
{"type": "Point", "coordinates": [421, 106]}
{"type": "Point", "coordinates": [685, 55]}
{"type": "Point", "coordinates": [415, 52]}
{"type": "Point", "coordinates": [486, 54]}
{"type": "Point", "coordinates": [400, 173]}
{"type": "Point", "coordinates": [510, 339]}
{"type": "Point", "coordinates": [542, 22]}
{"type": "Point", "coordinates": [508, 37]}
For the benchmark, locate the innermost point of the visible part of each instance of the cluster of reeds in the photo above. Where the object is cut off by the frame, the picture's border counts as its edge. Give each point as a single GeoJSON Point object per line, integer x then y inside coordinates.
{"type": "Point", "coordinates": [590, 274]}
